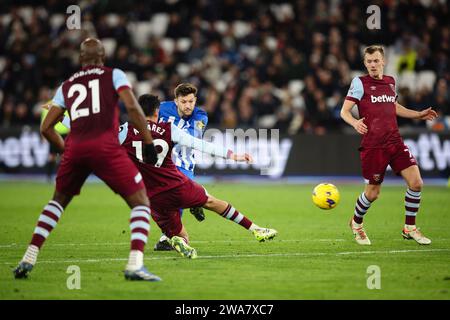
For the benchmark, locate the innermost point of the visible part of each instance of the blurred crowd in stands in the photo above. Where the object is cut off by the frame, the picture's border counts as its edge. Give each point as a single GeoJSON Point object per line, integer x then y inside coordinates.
{"type": "Point", "coordinates": [266, 64]}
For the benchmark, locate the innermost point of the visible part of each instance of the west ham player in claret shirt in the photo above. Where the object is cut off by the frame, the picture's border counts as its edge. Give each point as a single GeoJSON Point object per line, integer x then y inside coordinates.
{"type": "Point", "coordinates": [90, 96]}
{"type": "Point", "coordinates": [381, 145]}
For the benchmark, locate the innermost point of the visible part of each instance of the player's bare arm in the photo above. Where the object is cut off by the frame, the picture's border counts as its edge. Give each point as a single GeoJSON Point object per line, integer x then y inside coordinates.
{"type": "Point", "coordinates": [55, 114]}
{"type": "Point", "coordinates": [427, 114]}
{"type": "Point", "coordinates": [359, 125]}
{"type": "Point", "coordinates": [47, 106]}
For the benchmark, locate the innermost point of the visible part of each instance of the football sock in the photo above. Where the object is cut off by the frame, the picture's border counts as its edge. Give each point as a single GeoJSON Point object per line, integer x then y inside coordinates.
{"type": "Point", "coordinates": [31, 254]}
{"type": "Point", "coordinates": [412, 204]}
{"type": "Point", "coordinates": [253, 227]}
{"type": "Point", "coordinates": [139, 226]}
{"type": "Point", "coordinates": [361, 207]}
{"type": "Point", "coordinates": [46, 223]}
{"type": "Point", "coordinates": [163, 238]}
{"type": "Point", "coordinates": [135, 260]}
{"type": "Point", "coordinates": [232, 214]}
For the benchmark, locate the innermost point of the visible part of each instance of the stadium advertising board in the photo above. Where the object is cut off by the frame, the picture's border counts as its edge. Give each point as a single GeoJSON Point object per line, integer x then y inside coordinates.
{"type": "Point", "coordinates": [24, 151]}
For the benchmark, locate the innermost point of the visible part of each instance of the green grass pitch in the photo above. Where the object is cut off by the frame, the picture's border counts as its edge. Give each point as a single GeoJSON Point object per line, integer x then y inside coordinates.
{"type": "Point", "coordinates": [314, 256]}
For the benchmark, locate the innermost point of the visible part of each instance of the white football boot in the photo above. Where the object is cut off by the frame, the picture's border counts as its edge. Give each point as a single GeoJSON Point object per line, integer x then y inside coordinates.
{"type": "Point", "coordinates": [359, 233]}
{"type": "Point", "coordinates": [263, 234]}
{"type": "Point", "coordinates": [411, 232]}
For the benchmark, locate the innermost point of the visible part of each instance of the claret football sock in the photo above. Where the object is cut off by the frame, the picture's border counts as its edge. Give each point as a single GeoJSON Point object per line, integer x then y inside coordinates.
{"type": "Point", "coordinates": [361, 207]}
{"type": "Point", "coordinates": [232, 214]}
{"type": "Point", "coordinates": [139, 226]}
{"type": "Point", "coordinates": [412, 204]}
{"type": "Point", "coordinates": [46, 223]}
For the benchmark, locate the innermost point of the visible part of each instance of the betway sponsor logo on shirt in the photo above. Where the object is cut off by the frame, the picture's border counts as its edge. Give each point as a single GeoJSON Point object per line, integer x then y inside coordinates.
{"type": "Point", "coordinates": [383, 98]}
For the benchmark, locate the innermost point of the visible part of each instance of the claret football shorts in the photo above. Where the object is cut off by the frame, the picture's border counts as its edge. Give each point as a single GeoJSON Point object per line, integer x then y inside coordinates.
{"type": "Point", "coordinates": [114, 167]}
{"type": "Point", "coordinates": [374, 161]}
{"type": "Point", "coordinates": [165, 205]}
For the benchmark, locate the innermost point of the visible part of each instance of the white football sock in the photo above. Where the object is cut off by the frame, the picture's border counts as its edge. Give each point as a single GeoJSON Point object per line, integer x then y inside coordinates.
{"type": "Point", "coordinates": [356, 225]}
{"type": "Point", "coordinates": [163, 238]}
{"type": "Point", "coordinates": [31, 254]}
{"type": "Point", "coordinates": [135, 260]}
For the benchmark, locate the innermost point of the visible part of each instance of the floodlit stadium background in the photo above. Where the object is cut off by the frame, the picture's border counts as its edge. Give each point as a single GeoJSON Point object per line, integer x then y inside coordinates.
{"type": "Point", "coordinates": [283, 65]}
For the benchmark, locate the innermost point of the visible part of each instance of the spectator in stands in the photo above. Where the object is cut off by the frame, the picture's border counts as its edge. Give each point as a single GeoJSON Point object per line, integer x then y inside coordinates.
{"type": "Point", "coordinates": [232, 46]}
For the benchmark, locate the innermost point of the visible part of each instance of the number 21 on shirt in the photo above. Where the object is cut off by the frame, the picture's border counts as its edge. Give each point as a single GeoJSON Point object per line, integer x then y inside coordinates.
{"type": "Point", "coordinates": [76, 112]}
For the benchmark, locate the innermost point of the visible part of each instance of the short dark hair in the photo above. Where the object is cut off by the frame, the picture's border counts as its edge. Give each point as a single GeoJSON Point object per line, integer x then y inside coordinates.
{"type": "Point", "coordinates": [374, 48]}
{"type": "Point", "coordinates": [149, 103]}
{"type": "Point", "coordinates": [184, 89]}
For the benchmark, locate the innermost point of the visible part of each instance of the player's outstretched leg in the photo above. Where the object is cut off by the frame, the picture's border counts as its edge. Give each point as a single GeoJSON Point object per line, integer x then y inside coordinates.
{"type": "Point", "coordinates": [46, 223]}
{"type": "Point", "coordinates": [227, 211]}
{"type": "Point", "coordinates": [356, 223]}
{"type": "Point", "coordinates": [140, 226]}
{"type": "Point", "coordinates": [183, 248]}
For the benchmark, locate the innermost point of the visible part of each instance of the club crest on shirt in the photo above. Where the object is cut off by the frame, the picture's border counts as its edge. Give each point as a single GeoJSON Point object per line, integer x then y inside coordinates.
{"type": "Point", "coordinates": [392, 86]}
{"type": "Point", "coordinates": [376, 177]}
{"type": "Point", "coordinates": [200, 124]}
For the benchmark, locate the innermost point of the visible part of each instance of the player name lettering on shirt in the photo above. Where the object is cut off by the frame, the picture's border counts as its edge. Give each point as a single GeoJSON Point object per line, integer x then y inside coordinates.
{"type": "Point", "coordinates": [157, 129]}
{"type": "Point", "coordinates": [383, 98]}
{"type": "Point", "coordinates": [86, 73]}
{"type": "Point", "coordinates": [152, 127]}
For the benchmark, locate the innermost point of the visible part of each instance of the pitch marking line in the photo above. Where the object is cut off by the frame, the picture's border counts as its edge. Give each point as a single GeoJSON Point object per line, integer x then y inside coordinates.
{"type": "Point", "coordinates": [294, 254]}
{"type": "Point", "coordinates": [24, 245]}
{"type": "Point", "coordinates": [11, 245]}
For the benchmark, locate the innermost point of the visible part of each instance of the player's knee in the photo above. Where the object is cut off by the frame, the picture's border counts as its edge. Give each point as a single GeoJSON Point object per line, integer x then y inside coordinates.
{"type": "Point", "coordinates": [143, 200]}
{"type": "Point", "coordinates": [372, 195]}
{"type": "Point", "coordinates": [138, 198]}
{"type": "Point", "coordinates": [62, 198]}
{"type": "Point", "coordinates": [416, 184]}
